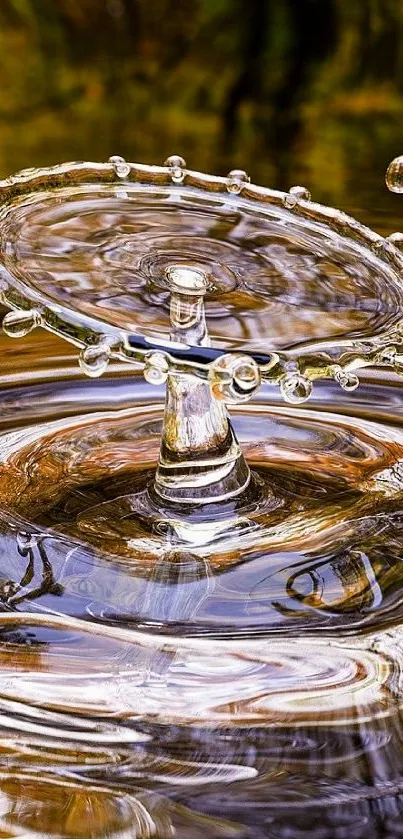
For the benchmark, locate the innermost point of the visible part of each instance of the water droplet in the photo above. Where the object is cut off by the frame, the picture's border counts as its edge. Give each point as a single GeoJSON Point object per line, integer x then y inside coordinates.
{"type": "Point", "coordinates": [394, 175]}
{"type": "Point", "coordinates": [396, 239]}
{"type": "Point", "coordinates": [347, 381]}
{"type": "Point", "coordinates": [295, 388]}
{"type": "Point", "coordinates": [246, 375]}
{"type": "Point", "coordinates": [237, 179]}
{"type": "Point", "coordinates": [234, 378]}
{"type": "Point", "coordinates": [301, 193]}
{"type": "Point", "coordinates": [176, 166]}
{"type": "Point", "coordinates": [18, 323]}
{"type": "Point", "coordinates": [120, 165]}
{"type": "Point", "coordinates": [295, 194]}
{"type": "Point", "coordinates": [94, 359]}
{"type": "Point", "coordinates": [156, 368]}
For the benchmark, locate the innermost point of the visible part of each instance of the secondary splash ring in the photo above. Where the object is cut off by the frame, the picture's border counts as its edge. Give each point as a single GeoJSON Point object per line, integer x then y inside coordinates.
{"type": "Point", "coordinates": [294, 368]}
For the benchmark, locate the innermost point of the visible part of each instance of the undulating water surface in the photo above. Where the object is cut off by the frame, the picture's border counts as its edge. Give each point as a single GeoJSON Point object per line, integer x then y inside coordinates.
{"type": "Point", "coordinates": [245, 692]}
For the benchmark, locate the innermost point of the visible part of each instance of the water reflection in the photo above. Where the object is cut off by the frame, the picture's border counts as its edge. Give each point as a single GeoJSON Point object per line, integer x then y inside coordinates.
{"type": "Point", "coordinates": [181, 698]}
{"type": "Point", "coordinates": [190, 698]}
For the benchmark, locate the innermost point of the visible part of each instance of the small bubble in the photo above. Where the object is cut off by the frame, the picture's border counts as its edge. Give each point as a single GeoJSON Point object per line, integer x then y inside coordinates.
{"type": "Point", "coordinates": [156, 368]}
{"type": "Point", "coordinates": [19, 323]}
{"type": "Point", "coordinates": [295, 388]}
{"type": "Point", "coordinates": [394, 175]}
{"type": "Point", "coordinates": [347, 381]}
{"type": "Point", "coordinates": [237, 179]}
{"type": "Point", "coordinates": [176, 166]}
{"type": "Point", "coordinates": [94, 359]}
{"type": "Point", "coordinates": [120, 165]}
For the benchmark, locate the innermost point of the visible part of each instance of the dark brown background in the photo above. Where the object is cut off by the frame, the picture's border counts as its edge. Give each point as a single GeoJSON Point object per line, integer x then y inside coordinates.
{"type": "Point", "coordinates": [304, 91]}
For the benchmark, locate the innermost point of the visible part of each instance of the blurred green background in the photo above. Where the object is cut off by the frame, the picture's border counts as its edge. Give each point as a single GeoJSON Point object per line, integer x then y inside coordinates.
{"type": "Point", "coordinates": [294, 91]}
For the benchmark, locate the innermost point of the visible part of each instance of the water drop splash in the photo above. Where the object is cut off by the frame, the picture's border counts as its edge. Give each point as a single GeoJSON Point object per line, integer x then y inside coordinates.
{"type": "Point", "coordinates": [192, 600]}
{"type": "Point", "coordinates": [126, 274]}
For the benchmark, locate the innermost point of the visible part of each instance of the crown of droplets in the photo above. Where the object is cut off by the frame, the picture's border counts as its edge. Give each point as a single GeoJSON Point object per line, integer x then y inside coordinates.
{"type": "Point", "coordinates": [232, 376]}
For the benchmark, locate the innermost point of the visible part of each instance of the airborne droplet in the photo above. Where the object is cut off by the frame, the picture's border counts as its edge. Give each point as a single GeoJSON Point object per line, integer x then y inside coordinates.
{"type": "Point", "coordinates": [120, 165]}
{"type": "Point", "coordinates": [176, 166]}
{"type": "Point", "coordinates": [237, 179]}
{"type": "Point", "coordinates": [394, 175]}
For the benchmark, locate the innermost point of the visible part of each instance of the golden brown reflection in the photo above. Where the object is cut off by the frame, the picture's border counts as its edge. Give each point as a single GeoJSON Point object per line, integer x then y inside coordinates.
{"type": "Point", "coordinates": [286, 701]}
{"type": "Point", "coordinates": [107, 728]}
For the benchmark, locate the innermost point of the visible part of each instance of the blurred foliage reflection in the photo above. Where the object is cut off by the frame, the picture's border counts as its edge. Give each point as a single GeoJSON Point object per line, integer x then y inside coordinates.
{"type": "Point", "coordinates": [289, 89]}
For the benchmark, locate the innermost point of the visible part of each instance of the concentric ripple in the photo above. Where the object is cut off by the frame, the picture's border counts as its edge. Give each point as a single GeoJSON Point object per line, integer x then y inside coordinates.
{"type": "Point", "coordinates": [239, 688]}
{"type": "Point", "coordinates": [272, 278]}
{"type": "Point", "coordinates": [326, 553]}
{"type": "Point", "coordinates": [191, 695]}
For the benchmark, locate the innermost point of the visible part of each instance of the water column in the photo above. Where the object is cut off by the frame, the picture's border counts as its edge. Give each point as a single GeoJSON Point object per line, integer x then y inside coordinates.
{"type": "Point", "coordinates": [200, 457]}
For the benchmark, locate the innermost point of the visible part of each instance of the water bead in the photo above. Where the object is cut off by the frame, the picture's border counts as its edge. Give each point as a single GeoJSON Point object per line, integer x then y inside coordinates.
{"type": "Point", "coordinates": [234, 378]}
{"type": "Point", "coordinates": [295, 194]}
{"type": "Point", "coordinates": [94, 359]}
{"type": "Point", "coordinates": [347, 381]}
{"type": "Point", "coordinates": [156, 368]}
{"type": "Point", "coordinates": [20, 322]}
{"type": "Point", "coordinates": [396, 239]}
{"type": "Point", "coordinates": [237, 179]}
{"type": "Point", "coordinates": [394, 175]}
{"type": "Point", "coordinates": [301, 193]}
{"type": "Point", "coordinates": [176, 166]}
{"type": "Point", "coordinates": [120, 165]}
{"type": "Point", "coordinates": [295, 388]}
{"type": "Point", "coordinates": [246, 375]}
